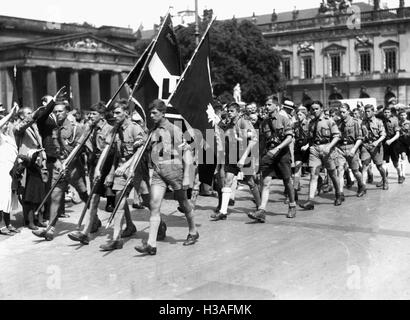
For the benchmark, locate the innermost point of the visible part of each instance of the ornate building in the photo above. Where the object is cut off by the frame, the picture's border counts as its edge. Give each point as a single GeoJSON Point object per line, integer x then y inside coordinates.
{"type": "Point", "coordinates": [91, 61]}
{"type": "Point", "coordinates": [344, 45]}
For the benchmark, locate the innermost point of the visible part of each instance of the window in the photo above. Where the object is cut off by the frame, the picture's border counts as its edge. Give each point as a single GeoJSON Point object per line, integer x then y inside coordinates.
{"type": "Point", "coordinates": [286, 68]}
{"type": "Point", "coordinates": [365, 62]}
{"type": "Point", "coordinates": [335, 65]}
{"type": "Point", "coordinates": [306, 67]}
{"type": "Point", "coordinates": [390, 60]}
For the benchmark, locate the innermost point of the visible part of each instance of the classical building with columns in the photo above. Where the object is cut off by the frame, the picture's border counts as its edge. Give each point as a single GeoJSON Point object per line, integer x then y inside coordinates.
{"type": "Point", "coordinates": [39, 57]}
{"type": "Point", "coordinates": [348, 46]}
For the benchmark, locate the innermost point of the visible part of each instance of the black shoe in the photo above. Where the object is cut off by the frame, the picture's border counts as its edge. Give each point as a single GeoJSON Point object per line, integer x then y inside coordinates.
{"type": "Point", "coordinates": [206, 194]}
{"type": "Point", "coordinates": [79, 236]}
{"type": "Point", "coordinates": [191, 239]}
{"type": "Point", "coordinates": [309, 205]}
{"type": "Point", "coordinates": [379, 184]}
{"type": "Point", "coordinates": [129, 231]}
{"type": "Point", "coordinates": [32, 226]}
{"type": "Point", "coordinates": [258, 215]}
{"type": "Point", "coordinates": [231, 203]}
{"type": "Point", "coordinates": [361, 192]}
{"type": "Point", "coordinates": [385, 185]}
{"type": "Point", "coordinates": [342, 197]}
{"type": "Point", "coordinates": [349, 184]}
{"type": "Point", "coordinates": [41, 233]}
{"type": "Point", "coordinates": [220, 216]}
{"type": "Point", "coordinates": [111, 245]}
{"type": "Point", "coordinates": [96, 225]}
{"type": "Point", "coordinates": [109, 208]}
{"type": "Point", "coordinates": [338, 201]}
{"type": "Point", "coordinates": [41, 224]}
{"type": "Point", "coordinates": [401, 180]}
{"type": "Point", "coordinates": [162, 231]}
{"type": "Point", "coordinates": [327, 188]}
{"type": "Point", "coordinates": [64, 215]}
{"type": "Point", "coordinates": [137, 206]}
{"type": "Point", "coordinates": [291, 212]}
{"type": "Point", "coordinates": [147, 249]}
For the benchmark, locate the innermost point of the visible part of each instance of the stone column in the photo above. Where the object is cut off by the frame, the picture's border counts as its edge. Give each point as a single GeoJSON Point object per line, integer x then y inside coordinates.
{"type": "Point", "coordinates": [27, 88]}
{"type": "Point", "coordinates": [114, 83]}
{"type": "Point", "coordinates": [75, 88]}
{"type": "Point", "coordinates": [95, 87]}
{"type": "Point", "coordinates": [51, 82]}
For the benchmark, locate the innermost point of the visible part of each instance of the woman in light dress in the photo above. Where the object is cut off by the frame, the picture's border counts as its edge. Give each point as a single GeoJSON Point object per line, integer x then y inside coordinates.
{"type": "Point", "coordinates": [8, 155]}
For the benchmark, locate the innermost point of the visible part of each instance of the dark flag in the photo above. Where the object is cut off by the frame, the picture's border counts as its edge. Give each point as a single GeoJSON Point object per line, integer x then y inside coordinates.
{"type": "Point", "coordinates": [193, 99]}
{"type": "Point", "coordinates": [158, 72]}
{"type": "Point", "coordinates": [193, 96]}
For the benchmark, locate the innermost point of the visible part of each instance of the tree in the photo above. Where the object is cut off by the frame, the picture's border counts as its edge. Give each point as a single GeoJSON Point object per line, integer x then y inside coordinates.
{"type": "Point", "coordinates": [239, 54]}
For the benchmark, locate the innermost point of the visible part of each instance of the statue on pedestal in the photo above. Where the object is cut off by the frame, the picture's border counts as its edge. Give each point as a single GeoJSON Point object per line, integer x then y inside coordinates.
{"type": "Point", "coordinates": [237, 93]}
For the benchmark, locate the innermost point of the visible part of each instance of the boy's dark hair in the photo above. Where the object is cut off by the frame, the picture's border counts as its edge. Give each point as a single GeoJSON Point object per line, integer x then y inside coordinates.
{"type": "Point", "coordinates": [159, 105]}
{"type": "Point", "coordinates": [99, 107]}
{"type": "Point", "coordinates": [122, 103]}
{"type": "Point", "coordinates": [233, 105]}
{"type": "Point", "coordinates": [318, 103]}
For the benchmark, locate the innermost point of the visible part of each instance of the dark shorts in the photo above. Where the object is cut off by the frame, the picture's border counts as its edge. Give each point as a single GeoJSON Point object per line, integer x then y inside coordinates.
{"type": "Point", "coordinates": [141, 173]}
{"type": "Point", "coordinates": [391, 152]}
{"type": "Point", "coordinates": [404, 148]}
{"type": "Point", "coordinates": [317, 157]}
{"type": "Point", "coordinates": [168, 175]}
{"type": "Point", "coordinates": [277, 167]}
{"type": "Point", "coordinates": [300, 155]}
{"type": "Point", "coordinates": [75, 175]}
{"type": "Point", "coordinates": [353, 162]}
{"type": "Point", "coordinates": [234, 169]}
{"type": "Point", "coordinates": [368, 153]}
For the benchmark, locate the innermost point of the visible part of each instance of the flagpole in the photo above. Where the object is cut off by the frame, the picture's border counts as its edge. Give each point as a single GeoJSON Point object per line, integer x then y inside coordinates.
{"type": "Point", "coordinates": [192, 58]}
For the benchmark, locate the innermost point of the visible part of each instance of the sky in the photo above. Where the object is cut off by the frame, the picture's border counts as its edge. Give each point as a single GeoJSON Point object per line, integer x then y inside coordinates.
{"type": "Point", "coordinates": [133, 13]}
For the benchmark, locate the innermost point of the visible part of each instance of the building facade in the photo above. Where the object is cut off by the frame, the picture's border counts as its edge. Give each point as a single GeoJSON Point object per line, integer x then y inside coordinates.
{"type": "Point", "coordinates": [360, 45]}
{"type": "Point", "coordinates": [39, 57]}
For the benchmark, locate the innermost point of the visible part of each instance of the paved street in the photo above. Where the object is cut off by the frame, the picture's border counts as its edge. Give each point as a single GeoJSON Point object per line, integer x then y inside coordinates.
{"type": "Point", "coordinates": [356, 251]}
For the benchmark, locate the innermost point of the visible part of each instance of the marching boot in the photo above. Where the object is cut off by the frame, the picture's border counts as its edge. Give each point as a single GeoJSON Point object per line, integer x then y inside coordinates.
{"type": "Point", "coordinates": [338, 200]}
{"type": "Point", "coordinates": [109, 207]}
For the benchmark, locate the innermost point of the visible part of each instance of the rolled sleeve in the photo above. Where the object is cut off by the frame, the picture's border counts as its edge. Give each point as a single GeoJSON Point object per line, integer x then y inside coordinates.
{"type": "Point", "coordinates": [288, 127]}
